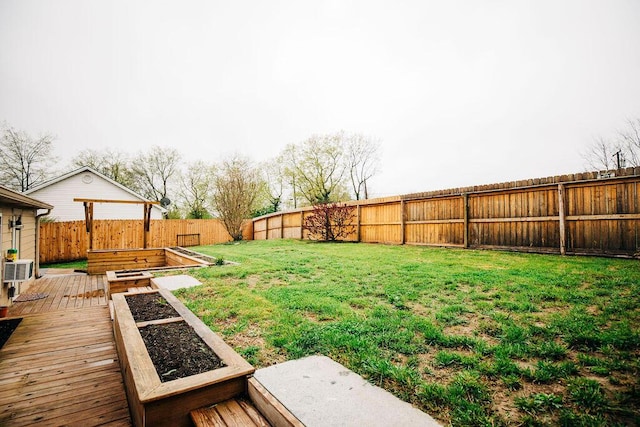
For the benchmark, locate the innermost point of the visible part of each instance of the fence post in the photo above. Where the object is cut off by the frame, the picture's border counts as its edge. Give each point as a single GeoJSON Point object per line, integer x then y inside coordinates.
{"type": "Point", "coordinates": [402, 222]}
{"type": "Point", "coordinates": [281, 226]}
{"type": "Point", "coordinates": [301, 225]}
{"type": "Point", "coordinates": [563, 220]}
{"type": "Point", "coordinates": [359, 208]}
{"type": "Point", "coordinates": [465, 214]}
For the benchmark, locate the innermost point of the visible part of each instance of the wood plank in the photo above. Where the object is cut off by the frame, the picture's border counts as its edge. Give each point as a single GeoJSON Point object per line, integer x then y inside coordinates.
{"type": "Point", "coordinates": [603, 217]}
{"type": "Point", "coordinates": [135, 202]}
{"type": "Point", "coordinates": [159, 321]}
{"type": "Point", "coordinates": [270, 407]}
{"type": "Point", "coordinates": [253, 413]}
{"type": "Point", "coordinates": [75, 396]}
{"type": "Point", "coordinates": [205, 417]}
{"type": "Point", "coordinates": [233, 414]}
{"type": "Point", "coordinates": [514, 219]}
{"type": "Point", "coordinates": [437, 221]}
{"type": "Point", "coordinates": [563, 219]}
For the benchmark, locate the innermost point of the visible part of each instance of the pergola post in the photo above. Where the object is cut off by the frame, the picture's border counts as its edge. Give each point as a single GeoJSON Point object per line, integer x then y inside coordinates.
{"type": "Point", "coordinates": [88, 219]}
{"type": "Point", "coordinates": [88, 215]}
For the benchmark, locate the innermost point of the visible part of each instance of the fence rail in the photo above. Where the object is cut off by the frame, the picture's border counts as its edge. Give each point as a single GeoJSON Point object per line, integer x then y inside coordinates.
{"type": "Point", "coordinates": [66, 241]}
{"type": "Point", "coordinates": [580, 213]}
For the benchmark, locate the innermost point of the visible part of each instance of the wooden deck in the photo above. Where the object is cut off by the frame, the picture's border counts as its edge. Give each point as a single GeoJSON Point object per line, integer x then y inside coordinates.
{"type": "Point", "coordinates": [67, 291]}
{"type": "Point", "coordinates": [60, 366]}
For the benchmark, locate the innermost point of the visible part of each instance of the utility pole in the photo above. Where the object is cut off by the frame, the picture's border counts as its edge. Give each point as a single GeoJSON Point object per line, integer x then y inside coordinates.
{"type": "Point", "coordinates": [619, 159]}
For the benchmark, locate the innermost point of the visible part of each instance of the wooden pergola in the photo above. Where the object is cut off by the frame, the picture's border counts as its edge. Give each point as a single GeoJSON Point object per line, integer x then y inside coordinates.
{"type": "Point", "coordinates": [88, 215]}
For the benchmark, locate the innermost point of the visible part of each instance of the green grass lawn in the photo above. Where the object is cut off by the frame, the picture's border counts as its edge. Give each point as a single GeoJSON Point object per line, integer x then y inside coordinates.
{"type": "Point", "coordinates": [77, 265]}
{"type": "Point", "coordinates": [471, 337]}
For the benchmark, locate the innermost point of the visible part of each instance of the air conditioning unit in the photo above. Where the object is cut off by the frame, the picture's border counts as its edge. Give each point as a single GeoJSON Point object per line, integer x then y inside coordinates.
{"type": "Point", "coordinates": [18, 271]}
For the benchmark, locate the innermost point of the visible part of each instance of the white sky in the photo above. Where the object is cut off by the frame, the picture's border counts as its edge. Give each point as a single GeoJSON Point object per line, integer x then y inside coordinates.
{"type": "Point", "coordinates": [459, 92]}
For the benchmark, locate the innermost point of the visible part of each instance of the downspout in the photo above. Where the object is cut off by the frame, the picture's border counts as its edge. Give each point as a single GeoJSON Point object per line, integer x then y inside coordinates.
{"type": "Point", "coordinates": [37, 257]}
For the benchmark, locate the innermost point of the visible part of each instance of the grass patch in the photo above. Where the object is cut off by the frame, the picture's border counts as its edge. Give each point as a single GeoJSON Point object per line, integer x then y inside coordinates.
{"type": "Point", "coordinates": [80, 264]}
{"type": "Point", "coordinates": [472, 337]}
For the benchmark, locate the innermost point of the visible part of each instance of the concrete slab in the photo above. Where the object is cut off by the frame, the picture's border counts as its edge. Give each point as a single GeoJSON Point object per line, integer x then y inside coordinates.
{"type": "Point", "coordinates": [322, 392]}
{"type": "Point", "coordinates": [176, 282]}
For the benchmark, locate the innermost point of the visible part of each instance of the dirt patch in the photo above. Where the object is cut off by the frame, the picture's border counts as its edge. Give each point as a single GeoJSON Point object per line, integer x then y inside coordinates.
{"type": "Point", "coordinates": [177, 351]}
{"type": "Point", "coordinates": [146, 307]}
{"type": "Point", "coordinates": [6, 329]}
{"type": "Point", "coordinates": [252, 281]}
{"type": "Point", "coordinates": [593, 310]}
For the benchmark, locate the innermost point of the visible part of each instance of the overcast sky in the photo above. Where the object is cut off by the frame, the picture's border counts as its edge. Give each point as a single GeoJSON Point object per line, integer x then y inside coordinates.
{"type": "Point", "coordinates": [458, 92]}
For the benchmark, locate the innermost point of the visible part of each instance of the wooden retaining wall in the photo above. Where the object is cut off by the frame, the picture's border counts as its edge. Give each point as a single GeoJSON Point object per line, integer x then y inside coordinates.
{"type": "Point", "coordinates": [66, 241]}
{"type": "Point", "coordinates": [101, 261]}
{"type": "Point", "coordinates": [579, 213]}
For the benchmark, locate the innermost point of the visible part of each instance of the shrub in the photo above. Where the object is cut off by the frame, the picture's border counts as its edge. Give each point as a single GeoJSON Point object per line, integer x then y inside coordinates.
{"type": "Point", "coordinates": [330, 222]}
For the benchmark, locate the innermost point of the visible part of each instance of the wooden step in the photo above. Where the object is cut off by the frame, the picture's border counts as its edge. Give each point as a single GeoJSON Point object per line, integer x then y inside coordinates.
{"type": "Point", "coordinates": [232, 412]}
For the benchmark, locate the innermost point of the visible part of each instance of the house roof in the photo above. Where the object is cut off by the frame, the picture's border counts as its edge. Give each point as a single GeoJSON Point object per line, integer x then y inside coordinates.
{"type": "Point", "coordinates": [90, 169]}
{"type": "Point", "coordinates": [12, 198]}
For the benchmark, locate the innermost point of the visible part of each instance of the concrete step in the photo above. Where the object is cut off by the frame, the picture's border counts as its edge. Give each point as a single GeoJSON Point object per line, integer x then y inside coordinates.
{"type": "Point", "coordinates": [321, 392]}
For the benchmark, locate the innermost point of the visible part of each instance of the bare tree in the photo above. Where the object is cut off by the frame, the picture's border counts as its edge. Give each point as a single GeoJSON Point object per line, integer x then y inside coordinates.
{"type": "Point", "coordinates": [599, 155]}
{"type": "Point", "coordinates": [25, 161]}
{"type": "Point", "coordinates": [629, 139]}
{"type": "Point", "coordinates": [288, 159]}
{"type": "Point", "coordinates": [154, 172]}
{"type": "Point", "coordinates": [362, 163]}
{"type": "Point", "coordinates": [235, 189]}
{"type": "Point", "coordinates": [624, 151]}
{"type": "Point", "coordinates": [111, 163]}
{"type": "Point", "coordinates": [275, 179]}
{"type": "Point", "coordinates": [196, 184]}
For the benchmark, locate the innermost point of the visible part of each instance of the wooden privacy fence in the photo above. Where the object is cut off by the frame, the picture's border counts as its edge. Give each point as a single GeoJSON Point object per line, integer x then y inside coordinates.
{"type": "Point", "coordinates": [580, 213]}
{"type": "Point", "coordinates": [66, 241]}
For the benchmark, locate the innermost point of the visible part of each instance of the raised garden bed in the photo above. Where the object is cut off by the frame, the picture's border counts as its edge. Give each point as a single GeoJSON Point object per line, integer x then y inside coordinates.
{"type": "Point", "coordinates": [121, 281]}
{"type": "Point", "coordinates": [131, 260]}
{"type": "Point", "coordinates": [172, 363]}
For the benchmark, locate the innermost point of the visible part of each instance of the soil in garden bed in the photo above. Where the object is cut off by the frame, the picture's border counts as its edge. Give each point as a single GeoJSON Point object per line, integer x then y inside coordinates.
{"type": "Point", "coordinates": [6, 329]}
{"type": "Point", "coordinates": [177, 351]}
{"type": "Point", "coordinates": [145, 307]}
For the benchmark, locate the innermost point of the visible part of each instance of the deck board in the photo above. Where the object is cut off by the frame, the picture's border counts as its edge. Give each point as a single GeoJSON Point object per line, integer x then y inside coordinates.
{"type": "Point", "coordinates": [232, 412]}
{"type": "Point", "coordinates": [60, 366]}
{"type": "Point", "coordinates": [63, 292]}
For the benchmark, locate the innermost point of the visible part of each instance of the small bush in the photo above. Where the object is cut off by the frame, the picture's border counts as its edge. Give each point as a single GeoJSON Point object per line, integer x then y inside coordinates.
{"type": "Point", "coordinates": [330, 222]}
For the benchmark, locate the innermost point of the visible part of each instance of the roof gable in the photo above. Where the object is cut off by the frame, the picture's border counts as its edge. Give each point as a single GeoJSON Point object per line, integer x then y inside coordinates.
{"type": "Point", "coordinates": [88, 169]}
